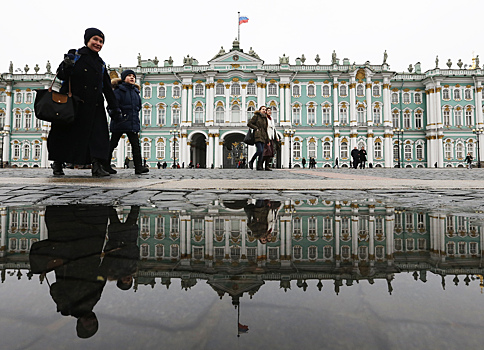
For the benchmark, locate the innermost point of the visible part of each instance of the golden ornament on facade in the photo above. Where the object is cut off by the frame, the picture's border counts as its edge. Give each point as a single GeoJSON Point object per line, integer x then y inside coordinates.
{"type": "Point", "coordinates": [244, 86]}
{"type": "Point", "coordinates": [310, 82]}
{"type": "Point", "coordinates": [352, 85]}
{"type": "Point", "coordinates": [468, 86]}
{"type": "Point", "coordinates": [406, 89]}
{"type": "Point", "coordinates": [199, 82]}
{"type": "Point", "coordinates": [386, 86]}
{"type": "Point", "coordinates": [438, 89]}
{"type": "Point", "coordinates": [17, 90]}
{"type": "Point", "coordinates": [235, 80]}
{"type": "Point", "coordinates": [227, 86]}
{"type": "Point", "coordinates": [235, 66]}
{"type": "Point", "coordinates": [368, 85]}
{"type": "Point", "coordinates": [457, 85]}
{"type": "Point", "coordinates": [370, 135]}
{"type": "Point", "coordinates": [175, 83]}
{"type": "Point", "coordinates": [220, 81]}
{"type": "Point", "coordinates": [335, 85]}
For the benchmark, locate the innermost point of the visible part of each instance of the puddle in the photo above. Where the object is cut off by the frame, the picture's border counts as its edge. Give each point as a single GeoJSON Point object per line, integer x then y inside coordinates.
{"type": "Point", "coordinates": [251, 270]}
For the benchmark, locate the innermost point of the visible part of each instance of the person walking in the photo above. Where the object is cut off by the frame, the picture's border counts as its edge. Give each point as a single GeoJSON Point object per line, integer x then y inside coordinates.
{"type": "Point", "coordinates": [336, 163]}
{"type": "Point", "coordinates": [468, 160]}
{"type": "Point", "coordinates": [355, 154]}
{"type": "Point", "coordinates": [303, 162]}
{"type": "Point", "coordinates": [362, 157]}
{"type": "Point", "coordinates": [127, 93]}
{"type": "Point", "coordinates": [86, 140]}
{"type": "Point", "coordinates": [259, 123]}
{"type": "Point", "coordinates": [269, 148]}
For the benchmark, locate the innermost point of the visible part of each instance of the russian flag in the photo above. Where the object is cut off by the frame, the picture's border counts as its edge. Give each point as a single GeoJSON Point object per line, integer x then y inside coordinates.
{"type": "Point", "coordinates": [243, 19]}
{"type": "Point", "coordinates": [243, 328]}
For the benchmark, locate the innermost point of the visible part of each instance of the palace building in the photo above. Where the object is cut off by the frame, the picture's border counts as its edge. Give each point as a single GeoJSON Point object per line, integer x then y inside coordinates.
{"type": "Point", "coordinates": [198, 113]}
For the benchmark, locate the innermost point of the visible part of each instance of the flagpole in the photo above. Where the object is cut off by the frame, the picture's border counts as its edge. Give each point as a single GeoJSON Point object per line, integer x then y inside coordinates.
{"type": "Point", "coordinates": [238, 21]}
{"type": "Point", "coordinates": [238, 309]}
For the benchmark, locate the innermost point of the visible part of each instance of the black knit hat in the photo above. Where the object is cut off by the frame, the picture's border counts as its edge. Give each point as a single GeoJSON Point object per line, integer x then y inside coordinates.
{"type": "Point", "coordinates": [127, 72]}
{"type": "Point", "coordinates": [90, 32]}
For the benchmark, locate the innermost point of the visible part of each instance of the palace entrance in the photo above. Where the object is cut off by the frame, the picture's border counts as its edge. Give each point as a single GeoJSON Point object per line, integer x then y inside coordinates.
{"type": "Point", "coordinates": [198, 150]}
{"type": "Point", "coordinates": [234, 150]}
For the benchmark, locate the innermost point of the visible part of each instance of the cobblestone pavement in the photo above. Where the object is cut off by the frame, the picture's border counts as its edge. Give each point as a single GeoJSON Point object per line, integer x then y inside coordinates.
{"type": "Point", "coordinates": [461, 190]}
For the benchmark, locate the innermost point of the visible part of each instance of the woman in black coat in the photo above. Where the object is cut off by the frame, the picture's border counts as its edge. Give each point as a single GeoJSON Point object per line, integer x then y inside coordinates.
{"type": "Point", "coordinates": [86, 141]}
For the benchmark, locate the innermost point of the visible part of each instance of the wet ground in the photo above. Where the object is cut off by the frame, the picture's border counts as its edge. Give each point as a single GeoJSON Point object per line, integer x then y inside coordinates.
{"type": "Point", "coordinates": [216, 259]}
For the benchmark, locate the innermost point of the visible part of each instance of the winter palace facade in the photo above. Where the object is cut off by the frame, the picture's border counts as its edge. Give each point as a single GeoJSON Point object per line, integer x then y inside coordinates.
{"type": "Point", "coordinates": [199, 113]}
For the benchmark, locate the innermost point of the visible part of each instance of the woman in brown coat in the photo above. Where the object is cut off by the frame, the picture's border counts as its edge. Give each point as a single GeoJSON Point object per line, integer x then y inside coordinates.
{"type": "Point", "coordinates": [259, 123]}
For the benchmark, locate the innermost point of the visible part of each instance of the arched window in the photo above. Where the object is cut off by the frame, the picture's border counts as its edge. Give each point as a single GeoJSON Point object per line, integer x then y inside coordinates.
{"type": "Point", "coordinates": [467, 94]}
{"type": "Point", "coordinates": [37, 122]}
{"type": "Point", "coordinates": [407, 124]}
{"type": "Point", "coordinates": [344, 150]}
{"type": "Point", "coordinates": [3, 97]}
{"type": "Point", "coordinates": [161, 92]}
{"type": "Point", "coordinates": [376, 115]}
{"type": "Point", "coordinates": [18, 119]}
{"type": "Point", "coordinates": [272, 89]}
{"type": "Point", "coordinates": [220, 89]}
{"type": "Point", "coordinates": [418, 119]}
{"type": "Point", "coordinates": [296, 115]}
{"type": "Point", "coordinates": [2, 118]}
{"type": "Point", "coordinates": [161, 115]}
{"type": "Point", "coordinates": [360, 91]}
{"type": "Point", "coordinates": [235, 89]}
{"type": "Point", "coordinates": [394, 97]}
{"type": "Point", "coordinates": [219, 114]}
{"type": "Point", "coordinates": [459, 151]}
{"type": "Point", "coordinates": [360, 112]}
{"type": "Point", "coordinates": [296, 150]}
{"type": "Point", "coordinates": [28, 119]}
{"type": "Point", "coordinates": [199, 90]}
{"type": "Point", "coordinates": [376, 90]}
{"type": "Point", "coordinates": [445, 94]}
{"type": "Point", "coordinates": [274, 113]}
{"type": "Point", "coordinates": [28, 97]}
{"type": "Point", "coordinates": [175, 115]}
{"type": "Point", "coordinates": [419, 151]}
{"type": "Point", "coordinates": [311, 90]}
{"type": "Point", "coordinates": [176, 91]}
{"type": "Point", "coordinates": [18, 97]}
{"type": "Point", "coordinates": [311, 115]}
{"type": "Point", "coordinates": [251, 89]}
{"type": "Point", "coordinates": [147, 92]}
{"type": "Point", "coordinates": [160, 149]}
{"type": "Point", "coordinates": [250, 111]}
{"type": "Point", "coordinates": [146, 116]}
{"type": "Point", "coordinates": [418, 97]}
{"type": "Point", "coordinates": [470, 148]}
{"type": "Point", "coordinates": [396, 118]}
{"type": "Point", "coordinates": [37, 150]}
{"type": "Point", "coordinates": [326, 90]}
{"type": "Point", "coordinates": [343, 91]}
{"type": "Point", "coordinates": [296, 91]}
{"type": "Point", "coordinates": [312, 252]}
{"type": "Point", "coordinates": [16, 151]}
{"type": "Point", "coordinates": [235, 114]}
{"type": "Point", "coordinates": [343, 115]}
{"type": "Point", "coordinates": [406, 98]}
{"type": "Point", "coordinates": [326, 116]}
{"type": "Point", "coordinates": [446, 116]}
{"type": "Point", "coordinates": [326, 150]}
{"type": "Point", "coordinates": [469, 117]}
{"type": "Point", "coordinates": [198, 115]}
{"type": "Point", "coordinates": [457, 116]}
{"type": "Point", "coordinates": [297, 252]}
{"type": "Point", "coordinates": [448, 150]}
{"type": "Point", "coordinates": [408, 152]}
{"type": "Point", "coordinates": [378, 150]}
{"type": "Point", "coordinates": [312, 149]}
{"type": "Point", "coordinates": [396, 151]}
{"type": "Point", "coordinates": [26, 151]}
{"type": "Point", "coordinates": [457, 94]}
{"type": "Point", "coordinates": [146, 150]}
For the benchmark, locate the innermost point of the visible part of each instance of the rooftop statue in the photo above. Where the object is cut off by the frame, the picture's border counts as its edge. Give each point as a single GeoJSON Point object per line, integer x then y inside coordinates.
{"type": "Point", "coordinates": [284, 59]}
{"type": "Point", "coordinates": [410, 68]}
{"type": "Point", "coordinates": [36, 68]}
{"type": "Point", "coordinates": [317, 59]}
{"type": "Point", "coordinates": [303, 59]}
{"type": "Point", "coordinates": [449, 63]}
{"type": "Point", "coordinates": [437, 61]}
{"type": "Point", "coordinates": [333, 57]}
{"type": "Point", "coordinates": [26, 68]}
{"type": "Point", "coordinates": [10, 68]}
{"type": "Point", "coordinates": [460, 63]}
{"type": "Point", "coordinates": [139, 59]}
{"type": "Point", "coordinates": [385, 57]}
{"type": "Point", "coordinates": [49, 67]}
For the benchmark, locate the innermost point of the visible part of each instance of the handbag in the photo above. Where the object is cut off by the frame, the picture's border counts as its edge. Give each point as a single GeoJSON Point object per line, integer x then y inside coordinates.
{"type": "Point", "coordinates": [54, 107]}
{"type": "Point", "coordinates": [249, 139]}
{"type": "Point", "coordinates": [268, 150]}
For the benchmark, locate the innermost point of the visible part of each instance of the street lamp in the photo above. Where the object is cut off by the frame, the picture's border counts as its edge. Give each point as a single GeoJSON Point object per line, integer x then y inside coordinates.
{"type": "Point", "coordinates": [478, 132]}
{"type": "Point", "coordinates": [398, 132]}
{"type": "Point", "coordinates": [290, 133]}
{"type": "Point", "coordinates": [176, 135]}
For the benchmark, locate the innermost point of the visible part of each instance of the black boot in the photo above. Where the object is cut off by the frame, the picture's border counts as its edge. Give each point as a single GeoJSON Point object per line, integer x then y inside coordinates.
{"type": "Point", "coordinates": [108, 168]}
{"type": "Point", "coordinates": [57, 167]}
{"type": "Point", "coordinates": [251, 164]}
{"type": "Point", "coordinates": [259, 164]}
{"type": "Point", "coordinates": [138, 170]}
{"type": "Point", "coordinates": [97, 168]}
{"type": "Point", "coordinates": [266, 162]}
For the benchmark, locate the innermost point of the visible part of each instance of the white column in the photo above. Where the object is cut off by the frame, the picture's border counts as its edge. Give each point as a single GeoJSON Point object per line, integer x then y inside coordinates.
{"type": "Point", "coordinates": [210, 150]}
{"type": "Point", "coordinates": [218, 150]}
{"type": "Point", "coordinates": [285, 152]}
{"type": "Point", "coordinates": [244, 118]}
{"type": "Point", "coordinates": [335, 103]}
{"type": "Point", "coordinates": [227, 238]}
{"type": "Point", "coordinates": [287, 100]}
{"type": "Point", "coordinates": [189, 238]}
{"type": "Point", "coordinates": [440, 130]}
{"type": "Point", "coordinates": [43, 234]}
{"type": "Point", "coordinates": [353, 116]}
{"type": "Point", "coordinates": [3, 232]}
{"type": "Point", "coordinates": [183, 238]}
{"type": "Point", "coordinates": [337, 145]}
{"type": "Point", "coordinates": [478, 106]}
{"type": "Point", "coordinates": [227, 104]}
{"type": "Point", "coordinates": [184, 150]}
{"type": "Point", "coordinates": [209, 117]}
{"type": "Point", "coordinates": [243, 233]}
{"type": "Point", "coordinates": [387, 122]}
{"type": "Point", "coordinates": [389, 226]}
{"type": "Point", "coordinates": [190, 103]}
{"type": "Point", "coordinates": [337, 228]}
{"type": "Point", "coordinates": [184, 105]}
{"type": "Point", "coordinates": [282, 105]}
{"type": "Point", "coordinates": [370, 145]}
{"type": "Point", "coordinates": [8, 123]}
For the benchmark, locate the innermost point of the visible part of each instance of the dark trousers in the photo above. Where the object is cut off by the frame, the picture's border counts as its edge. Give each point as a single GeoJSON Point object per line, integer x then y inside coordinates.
{"type": "Point", "coordinates": [259, 146]}
{"type": "Point", "coordinates": [133, 140]}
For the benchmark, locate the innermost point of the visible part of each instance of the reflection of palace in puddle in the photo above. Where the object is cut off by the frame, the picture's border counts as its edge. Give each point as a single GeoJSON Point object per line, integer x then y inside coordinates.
{"type": "Point", "coordinates": [342, 241]}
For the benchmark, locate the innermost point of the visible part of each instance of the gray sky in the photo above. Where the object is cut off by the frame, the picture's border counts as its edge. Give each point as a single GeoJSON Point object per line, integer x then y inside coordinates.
{"type": "Point", "coordinates": [413, 30]}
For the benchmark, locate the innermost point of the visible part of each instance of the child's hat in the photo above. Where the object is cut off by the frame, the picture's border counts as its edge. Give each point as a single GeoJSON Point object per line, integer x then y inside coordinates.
{"type": "Point", "coordinates": [126, 73]}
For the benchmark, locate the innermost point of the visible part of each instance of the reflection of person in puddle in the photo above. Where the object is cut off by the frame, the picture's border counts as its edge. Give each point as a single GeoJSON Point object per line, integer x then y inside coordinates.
{"type": "Point", "coordinates": [261, 219]}
{"type": "Point", "coordinates": [73, 251]}
{"type": "Point", "coordinates": [121, 252]}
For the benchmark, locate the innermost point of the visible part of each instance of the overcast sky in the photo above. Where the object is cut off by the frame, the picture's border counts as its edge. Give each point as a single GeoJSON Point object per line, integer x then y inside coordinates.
{"type": "Point", "coordinates": [34, 31]}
